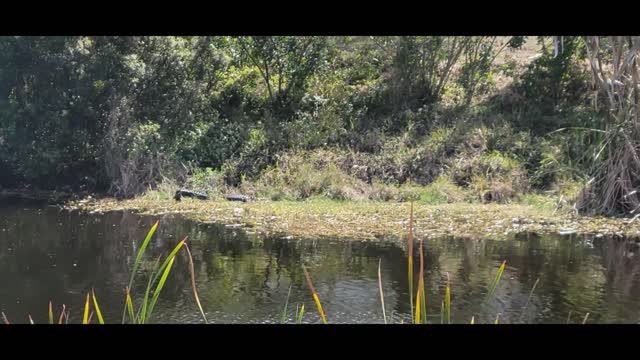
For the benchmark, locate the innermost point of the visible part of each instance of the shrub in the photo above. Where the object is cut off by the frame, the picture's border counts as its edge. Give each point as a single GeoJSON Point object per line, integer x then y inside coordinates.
{"type": "Point", "coordinates": [491, 177]}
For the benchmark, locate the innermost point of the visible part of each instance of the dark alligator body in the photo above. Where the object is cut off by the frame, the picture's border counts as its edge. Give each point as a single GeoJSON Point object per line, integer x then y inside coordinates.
{"type": "Point", "coordinates": [188, 193]}
{"type": "Point", "coordinates": [236, 197]}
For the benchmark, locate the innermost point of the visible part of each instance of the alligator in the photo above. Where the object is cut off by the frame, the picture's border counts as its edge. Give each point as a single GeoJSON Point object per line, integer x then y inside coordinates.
{"type": "Point", "coordinates": [236, 197]}
{"type": "Point", "coordinates": [188, 193]}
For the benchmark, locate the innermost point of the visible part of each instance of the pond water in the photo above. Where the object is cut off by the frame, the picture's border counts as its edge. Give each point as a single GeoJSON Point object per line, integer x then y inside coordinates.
{"type": "Point", "coordinates": [50, 254]}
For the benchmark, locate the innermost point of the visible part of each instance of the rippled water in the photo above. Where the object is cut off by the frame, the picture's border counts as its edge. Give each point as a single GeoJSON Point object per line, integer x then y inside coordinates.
{"type": "Point", "coordinates": [48, 254]}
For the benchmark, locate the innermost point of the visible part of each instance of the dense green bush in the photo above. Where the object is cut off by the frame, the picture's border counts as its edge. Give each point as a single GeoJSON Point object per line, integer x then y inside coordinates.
{"type": "Point", "coordinates": [293, 117]}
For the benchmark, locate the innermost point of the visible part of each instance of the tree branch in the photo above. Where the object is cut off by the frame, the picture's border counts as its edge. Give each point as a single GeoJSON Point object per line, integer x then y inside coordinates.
{"type": "Point", "coordinates": [255, 62]}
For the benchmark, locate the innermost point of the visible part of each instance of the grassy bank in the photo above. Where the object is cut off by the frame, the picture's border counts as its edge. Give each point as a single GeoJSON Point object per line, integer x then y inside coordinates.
{"type": "Point", "coordinates": [324, 218]}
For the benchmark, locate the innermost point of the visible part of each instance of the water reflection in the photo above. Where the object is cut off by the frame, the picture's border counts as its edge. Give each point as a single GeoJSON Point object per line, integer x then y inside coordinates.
{"type": "Point", "coordinates": [48, 254]}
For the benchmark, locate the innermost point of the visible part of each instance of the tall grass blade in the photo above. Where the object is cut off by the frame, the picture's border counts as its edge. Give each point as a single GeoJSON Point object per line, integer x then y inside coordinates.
{"type": "Point", "coordinates": [85, 318]}
{"type": "Point", "coordinates": [90, 316]}
{"type": "Point", "coordinates": [447, 302]}
{"type": "Point", "coordinates": [62, 314]}
{"type": "Point", "coordinates": [283, 319]}
{"type": "Point", "coordinates": [421, 286]}
{"type": "Point", "coordinates": [529, 298]}
{"type": "Point", "coordinates": [410, 278]}
{"type": "Point", "coordinates": [315, 295]}
{"type": "Point", "coordinates": [30, 320]}
{"type": "Point", "coordinates": [423, 298]}
{"type": "Point", "coordinates": [384, 314]}
{"type": "Point", "coordinates": [472, 320]}
{"type": "Point", "coordinates": [569, 317]}
{"type": "Point", "coordinates": [130, 306]}
{"type": "Point", "coordinates": [156, 293]}
{"type": "Point", "coordinates": [146, 306]}
{"type": "Point", "coordinates": [418, 310]}
{"type": "Point", "coordinates": [492, 289]}
{"type": "Point", "coordinates": [497, 319]}
{"type": "Point", "coordinates": [300, 314]}
{"type": "Point", "coordinates": [95, 304]}
{"type": "Point", "coordinates": [585, 319]}
{"type": "Point", "coordinates": [410, 257]}
{"type": "Point", "coordinates": [142, 313]}
{"type": "Point", "coordinates": [192, 272]}
{"type": "Point", "coordinates": [169, 258]}
{"type": "Point", "coordinates": [136, 263]}
{"type": "Point", "coordinates": [4, 319]}
{"type": "Point", "coordinates": [442, 313]}
{"type": "Point", "coordinates": [141, 251]}
{"type": "Point", "coordinates": [50, 313]}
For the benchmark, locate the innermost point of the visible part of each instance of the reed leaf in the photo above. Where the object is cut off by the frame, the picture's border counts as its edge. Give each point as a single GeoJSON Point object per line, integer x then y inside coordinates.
{"type": "Point", "coordinates": [300, 314]}
{"type": "Point", "coordinates": [529, 298]}
{"type": "Point", "coordinates": [418, 310]}
{"type": "Point", "coordinates": [85, 318]}
{"type": "Point", "coordinates": [145, 300]}
{"type": "Point", "coordinates": [155, 275]}
{"type": "Point", "coordinates": [169, 258]}
{"type": "Point", "coordinates": [50, 313]}
{"type": "Point", "coordinates": [410, 257]}
{"type": "Point", "coordinates": [156, 293]}
{"type": "Point", "coordinates": [423, 299]}
{"type": "Point", "coordinates": [130, 307]}
{"type": "Point", "coordinates": [421, 286]}
{"type": "Point", "coordinates": [141, 251]}
{"type": "Point", "coordinates": [95, 304]}
{"type": "Point", "coordinates": [492, 289]}
{"type": "Point", "coordinates": [315, 295]}
{"type": "Point", "coordinates": [192, 272]}
{"type": "Point", "coordinates": [142, 313]}
{"type": "Point", "coordinates": [62, 314]}
{"type": "Point", "coordinates": [384, 314]}
{"type": "Point", "coordinates": [283, 319]}
{"type": "Point", "coordinates": [136, 263]}
{"type": "Point", "coordinates": [447, 302]}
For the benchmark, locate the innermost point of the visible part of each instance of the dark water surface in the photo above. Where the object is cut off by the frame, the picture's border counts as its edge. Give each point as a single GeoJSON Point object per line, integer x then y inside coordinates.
{"type": "Point", "coordinates": [49, 254]}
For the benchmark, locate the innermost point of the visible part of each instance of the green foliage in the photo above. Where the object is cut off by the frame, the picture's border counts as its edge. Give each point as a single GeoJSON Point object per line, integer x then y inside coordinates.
{"type": "Point", "coordinates": [491, 176]}
{"type": "Point", "coordinates": [75, 104]}
{"type": "Point", "coordinates": [129, 114]}
{"type": "Point", "coordinates": [303, 175]}
{"type": "Point", "coordinates": [285, 63]}
{"type": "Point", "coordinates": [476, 71]}
{"type": "Point", "coordinates": [422, 66]}
{"type": "Point", "coordinates": [552, 86]}
{"type": "Point", "coordinates": [143, 138]}
{"type": "Point", "coordinates": [205, 179]}
{"type": "Point", "coordinates": [440, 191]}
